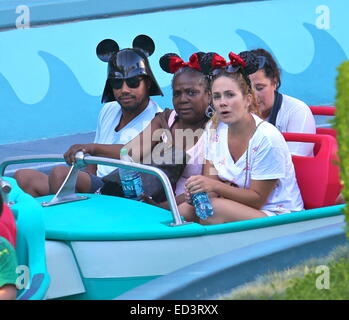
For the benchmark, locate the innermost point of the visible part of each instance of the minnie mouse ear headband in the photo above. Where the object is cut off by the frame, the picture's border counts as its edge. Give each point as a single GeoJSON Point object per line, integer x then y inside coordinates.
{"type": "Point", "coordinates": [171, 62]}
{"type": "Point", "coordinates": [127, 63]}
{"type": "Point", "coordinates": [245, 62]}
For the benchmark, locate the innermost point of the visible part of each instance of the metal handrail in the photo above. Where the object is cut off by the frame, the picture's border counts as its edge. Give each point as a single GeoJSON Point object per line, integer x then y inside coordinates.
{"type": "Point", "coordinates": [82, 160]}
{"type": "Point", "coordinates": [146, 169]}
{"type": "Point", "coordinates": [29, 159]}
{"type": "Point", "coordinates": [5, 186]}
{"type": "Point", "coordinates": [5, 189]}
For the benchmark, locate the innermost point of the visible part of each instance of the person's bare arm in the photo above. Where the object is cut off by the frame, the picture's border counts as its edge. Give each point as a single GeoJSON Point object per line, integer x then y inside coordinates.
{"type": "Point", "coordinates": [210, 171]}
{"type": "Point", "coordinates": [94, 149]}
{"type": "Point", "coordinates": [8, 292]}
{"type": "Point", "coordinates": [140, 146]}
{"type": "Point", "coordinates": [254, 197]}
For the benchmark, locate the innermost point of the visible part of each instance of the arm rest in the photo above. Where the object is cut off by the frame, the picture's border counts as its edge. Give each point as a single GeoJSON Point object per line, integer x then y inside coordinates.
{"type": "Point", "coordinates": [323, 111]}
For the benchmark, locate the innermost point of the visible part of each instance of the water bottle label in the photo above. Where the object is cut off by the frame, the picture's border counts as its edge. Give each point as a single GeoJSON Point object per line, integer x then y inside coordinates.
{"type": "Point", "coordinates": [132, 188]}
{"type": "Point", "coordinates": [138, 186]}
{"type": "Point", "coordinates": [202, 204]}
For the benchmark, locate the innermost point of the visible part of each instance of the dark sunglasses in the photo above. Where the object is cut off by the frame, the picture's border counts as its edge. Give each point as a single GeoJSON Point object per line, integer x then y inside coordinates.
{"type": "Point", "coordinates": [262, 61]}
{"type": "Point", "coordinates": [229, 68]}
{"type": "Point", "coordinates": [132, 83]}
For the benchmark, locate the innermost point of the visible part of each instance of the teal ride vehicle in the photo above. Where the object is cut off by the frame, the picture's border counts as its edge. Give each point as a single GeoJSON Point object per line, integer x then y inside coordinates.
{"type": "Point", "coordinates": [94, 246]}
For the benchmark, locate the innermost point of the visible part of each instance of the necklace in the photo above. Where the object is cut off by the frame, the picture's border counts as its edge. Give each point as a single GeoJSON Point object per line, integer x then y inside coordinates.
{"type": "Point", "coordinates": [248, 147]}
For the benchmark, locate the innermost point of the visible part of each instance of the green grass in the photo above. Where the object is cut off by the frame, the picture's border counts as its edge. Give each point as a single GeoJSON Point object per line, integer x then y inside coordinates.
{"type": "Point", "coordinates": [337, 288]}
{"type": "Point", "coordinates": [306, 281]}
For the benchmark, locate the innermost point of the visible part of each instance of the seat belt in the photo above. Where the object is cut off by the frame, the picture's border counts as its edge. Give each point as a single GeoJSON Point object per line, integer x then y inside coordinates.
{"type": "Point", "coordinates": [276, 108]}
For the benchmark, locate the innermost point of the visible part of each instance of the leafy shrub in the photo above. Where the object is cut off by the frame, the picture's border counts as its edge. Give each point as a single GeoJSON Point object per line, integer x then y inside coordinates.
{"type": "Point", "coordinates": [341, 124]}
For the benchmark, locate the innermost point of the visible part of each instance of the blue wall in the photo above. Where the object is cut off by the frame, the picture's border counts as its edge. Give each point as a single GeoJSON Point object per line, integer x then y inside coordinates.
{"type": "Point", "coordinates": [52, 11]}
{"type": "Point", "coordinates": [51, 80]}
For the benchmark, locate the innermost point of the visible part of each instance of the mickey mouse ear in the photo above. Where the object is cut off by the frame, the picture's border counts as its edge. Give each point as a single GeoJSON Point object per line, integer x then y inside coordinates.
{"type": "Point", "coordinates": [211, 61]}
{"type": "Point", "coordinates": [145, 43]}
{"type": "Point", "coordinates": [251, 60]}
{"type": "Point", "coordinates": [170, 62]}
{"type": "Point", "coordinates": [106, 48]}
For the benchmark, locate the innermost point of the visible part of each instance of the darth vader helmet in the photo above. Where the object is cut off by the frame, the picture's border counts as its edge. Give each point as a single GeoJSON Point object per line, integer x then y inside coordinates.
{"type": "Point", "coordinates": [127, 63]}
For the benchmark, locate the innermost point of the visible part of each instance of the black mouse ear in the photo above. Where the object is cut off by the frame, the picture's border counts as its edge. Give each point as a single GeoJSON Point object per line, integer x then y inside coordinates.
{"type": "Point", "coordinates": [170, 62]}
{"type": "Point", "coordinates": [251, 60]}
{"type": "Point", "coordinates": [211, 61]}
{"type": "Point", "coordinates": [106, 48]}
{"type": "Point", "coordinates": [145, 43]}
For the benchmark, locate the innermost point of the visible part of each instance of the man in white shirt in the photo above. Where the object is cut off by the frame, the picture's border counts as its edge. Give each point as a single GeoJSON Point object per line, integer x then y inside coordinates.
{"type": "Point", "coordinates": [128, 111]}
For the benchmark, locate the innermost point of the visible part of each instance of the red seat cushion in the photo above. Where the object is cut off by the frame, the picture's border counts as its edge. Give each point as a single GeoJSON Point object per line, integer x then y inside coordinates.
{"type": "Point", "coordinates": [329, 131]}
{"type": "Point", "coordinates": [318, 176]}
{"type": "Point", "coordinates": [324, 111]}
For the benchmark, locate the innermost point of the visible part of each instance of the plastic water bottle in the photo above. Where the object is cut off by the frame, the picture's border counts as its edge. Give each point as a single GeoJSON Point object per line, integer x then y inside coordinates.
{"type": "Point", "coordinates": [202, 204]}
{"type": "Point", "coordinates": [131, 180]}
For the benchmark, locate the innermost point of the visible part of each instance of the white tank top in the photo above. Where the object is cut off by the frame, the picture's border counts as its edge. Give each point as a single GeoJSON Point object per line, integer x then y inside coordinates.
{"type": "Point", "coordinates": [194, 165]}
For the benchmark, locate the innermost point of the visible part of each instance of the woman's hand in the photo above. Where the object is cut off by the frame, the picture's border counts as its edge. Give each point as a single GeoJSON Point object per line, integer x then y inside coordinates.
{"type": "Point", "coordinates": [69, 155]}
{"type": "Point", "coordinates": [188, 197]}
{"type": "Point", "coordinates": [196, 184]}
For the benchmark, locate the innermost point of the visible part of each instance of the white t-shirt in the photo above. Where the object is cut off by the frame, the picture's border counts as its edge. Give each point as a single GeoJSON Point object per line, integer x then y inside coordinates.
{"type": "Point", "coordinates": [295, 116]}
{"type": "Point", "coordinates": [109, 117]}
{"type": "Point", "coordinates": [268, 158]}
